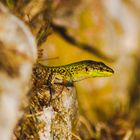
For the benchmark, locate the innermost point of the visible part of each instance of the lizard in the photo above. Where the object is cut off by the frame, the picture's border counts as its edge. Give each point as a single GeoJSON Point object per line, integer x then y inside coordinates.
{"type": "Point", "coordinates": [68, 74]}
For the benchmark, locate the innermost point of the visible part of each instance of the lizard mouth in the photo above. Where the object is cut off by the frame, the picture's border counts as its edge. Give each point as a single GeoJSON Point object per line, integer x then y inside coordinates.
{"type": "Point", "coordinates": [110, 70]}
{"type": "Point", "coordinates": [105, 72]}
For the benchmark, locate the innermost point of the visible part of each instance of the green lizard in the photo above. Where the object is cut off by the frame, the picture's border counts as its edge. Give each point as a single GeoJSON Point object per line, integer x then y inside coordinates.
{"type": "Point", "coordinates": [69, 73]}
{"type": "Point", "coordinates": [66, 75]}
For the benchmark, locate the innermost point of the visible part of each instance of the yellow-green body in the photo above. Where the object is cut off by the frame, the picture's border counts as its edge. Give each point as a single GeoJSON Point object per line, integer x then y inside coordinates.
{"type": "Point", "coordinates": [72, 72]}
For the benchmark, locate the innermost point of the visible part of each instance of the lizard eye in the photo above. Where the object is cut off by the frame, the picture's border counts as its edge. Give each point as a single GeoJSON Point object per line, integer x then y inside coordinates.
{"type": "Point", "coordinates": [101, 69]}
{"type": "Point", "coordinates": [86, 69]}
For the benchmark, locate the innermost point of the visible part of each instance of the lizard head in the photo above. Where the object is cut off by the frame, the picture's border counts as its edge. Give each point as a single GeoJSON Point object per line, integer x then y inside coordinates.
{"type": "Point", "coordinates": [98, 69]}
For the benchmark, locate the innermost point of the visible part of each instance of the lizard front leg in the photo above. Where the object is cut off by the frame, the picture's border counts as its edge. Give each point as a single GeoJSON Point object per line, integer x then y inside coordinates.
{"type": "Point", "coordinates": [50, 83]}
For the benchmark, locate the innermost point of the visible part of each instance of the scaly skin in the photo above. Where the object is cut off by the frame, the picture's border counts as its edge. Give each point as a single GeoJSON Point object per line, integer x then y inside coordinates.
{"type": "Point", "coordinates": [70, 73]}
